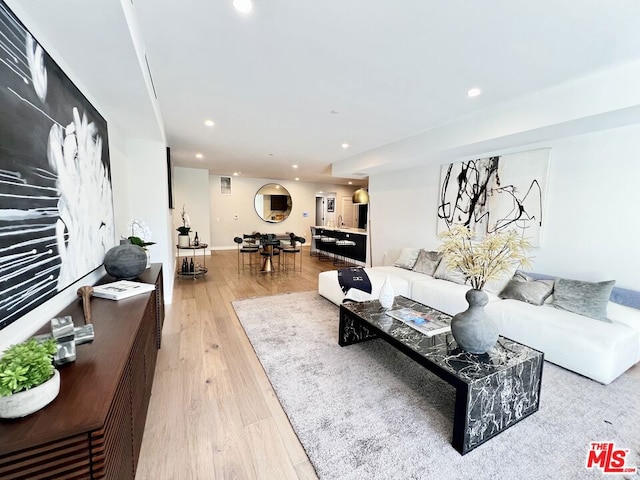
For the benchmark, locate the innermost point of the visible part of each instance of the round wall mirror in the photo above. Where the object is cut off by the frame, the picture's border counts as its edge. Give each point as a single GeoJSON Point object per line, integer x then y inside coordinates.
{"type": "Point", "coordinates": [273, 203]}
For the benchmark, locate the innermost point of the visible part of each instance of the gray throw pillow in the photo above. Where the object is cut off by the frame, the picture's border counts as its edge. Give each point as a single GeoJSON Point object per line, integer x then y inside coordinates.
{"type": "Point", "coordinates": [525, 289]}
{"type": "Point", "coordinates": [407, 258]}
{"type": "Point", "coordinates": [584, 298]}
{"type": "Point", "coordinates": [443, 272]}
{"type": "Point", "coordinates": [427, 262]}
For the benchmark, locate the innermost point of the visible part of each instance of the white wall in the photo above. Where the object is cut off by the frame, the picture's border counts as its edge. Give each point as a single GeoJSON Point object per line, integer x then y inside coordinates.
{"type": "Point", "coordinates": [191, 190]}
{"type": "Point", "coordinates": [591, 230]}
{"type": "Point", "coordinates": [232, 215]}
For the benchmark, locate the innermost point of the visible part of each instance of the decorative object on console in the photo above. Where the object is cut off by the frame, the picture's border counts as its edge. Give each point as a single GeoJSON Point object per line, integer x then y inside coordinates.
{"type": "Point", "coordinates": [140, 234]}
{"type": "Point", "coordinates": [28, 381]}
{"type": "Point", "coordinates": [386, 294]}
{"type": "Point", "coordinates": [125, 261]}
{"type": "Point", "coordinates": [85, 293]}
{"type": "Point", "coordinates": [67, 336]}
{"type": "Point", "coordinates": [123, 289]}
{"type": "Point", "coordinates": [480, 262]}
{"type": "Point", "coordinates": [56, 194]}
{"type": "Point", "coordinates": [496, 194]}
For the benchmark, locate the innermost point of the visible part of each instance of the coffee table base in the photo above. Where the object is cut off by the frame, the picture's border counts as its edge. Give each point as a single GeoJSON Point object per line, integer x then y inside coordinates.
{"type": "Point", "coordinates": [484, 407]}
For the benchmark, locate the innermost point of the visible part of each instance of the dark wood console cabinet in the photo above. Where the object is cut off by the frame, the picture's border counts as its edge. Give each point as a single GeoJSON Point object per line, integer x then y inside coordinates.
{"type": "Point", "coordinates": [94, 428]}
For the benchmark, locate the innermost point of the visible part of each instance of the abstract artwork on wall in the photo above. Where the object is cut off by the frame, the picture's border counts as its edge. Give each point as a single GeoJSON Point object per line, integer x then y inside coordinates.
{"type": "Point", "coordinates": [56, 203]}
{"type": "Point", "coordinates": [496, 193]}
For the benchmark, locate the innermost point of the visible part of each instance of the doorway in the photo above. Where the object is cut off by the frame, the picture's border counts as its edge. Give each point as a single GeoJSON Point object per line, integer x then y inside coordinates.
{"type": "Point", "coordinates": [319, 212]}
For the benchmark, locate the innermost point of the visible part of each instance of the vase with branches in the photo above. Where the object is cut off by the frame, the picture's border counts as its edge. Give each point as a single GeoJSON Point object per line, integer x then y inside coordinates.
{"type": "Point", "coordinates": [480, 261]}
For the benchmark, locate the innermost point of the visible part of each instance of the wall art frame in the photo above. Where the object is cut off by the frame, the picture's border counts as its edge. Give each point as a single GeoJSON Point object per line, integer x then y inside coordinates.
{"type": "Point", "coordinates": [55, 178]}
{"type": "Point", "coordinates": [496, 193]}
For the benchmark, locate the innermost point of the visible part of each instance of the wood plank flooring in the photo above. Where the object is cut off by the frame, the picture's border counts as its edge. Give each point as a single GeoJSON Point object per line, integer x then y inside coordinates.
{"type": "Point", "coordinates": [213, 413]}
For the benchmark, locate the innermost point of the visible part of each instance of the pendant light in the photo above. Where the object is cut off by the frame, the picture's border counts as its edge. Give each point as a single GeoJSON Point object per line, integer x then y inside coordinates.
{"type": "Point", "coordinates": [360, 197]}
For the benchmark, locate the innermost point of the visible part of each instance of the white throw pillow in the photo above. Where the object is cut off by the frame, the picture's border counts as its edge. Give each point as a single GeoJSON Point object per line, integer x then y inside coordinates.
{"type": "Point", "coordinates": [407, 258]}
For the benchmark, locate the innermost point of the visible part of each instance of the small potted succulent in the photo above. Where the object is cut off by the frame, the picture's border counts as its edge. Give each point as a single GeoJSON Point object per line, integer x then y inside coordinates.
{"type": "Point", "coordinates": [28, 380]}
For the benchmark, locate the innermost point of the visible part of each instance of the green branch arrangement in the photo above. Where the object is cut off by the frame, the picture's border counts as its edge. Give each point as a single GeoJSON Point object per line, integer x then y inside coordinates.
{"type": "Point", "coordinates": [483, 260]}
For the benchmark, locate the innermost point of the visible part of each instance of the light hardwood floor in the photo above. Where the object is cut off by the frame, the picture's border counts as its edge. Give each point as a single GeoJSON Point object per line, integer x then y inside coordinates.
{"type": "Point", "coordinates": [213, 413]}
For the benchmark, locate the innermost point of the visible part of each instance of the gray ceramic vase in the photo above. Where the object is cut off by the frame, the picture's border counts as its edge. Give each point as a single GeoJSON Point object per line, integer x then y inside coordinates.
{"type": "Point", "coordinates": [125, 261]}
{"type": "Point", "coordinates": [473, 329]}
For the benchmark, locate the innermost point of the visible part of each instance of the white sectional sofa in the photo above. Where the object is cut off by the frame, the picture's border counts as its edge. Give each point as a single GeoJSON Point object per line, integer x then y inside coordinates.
{"type": "Point", "coordinates": [596, 349]}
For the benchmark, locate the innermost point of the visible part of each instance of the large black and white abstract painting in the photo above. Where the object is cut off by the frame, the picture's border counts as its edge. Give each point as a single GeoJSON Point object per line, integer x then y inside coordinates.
{"type": "Point", "coordinates": [496, 193]}
{"type": "Point", "coordinates": [56, 204]}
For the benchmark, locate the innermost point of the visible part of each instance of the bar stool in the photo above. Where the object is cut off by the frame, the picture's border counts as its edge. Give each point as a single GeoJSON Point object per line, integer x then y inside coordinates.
{"type": "Point", "coordinates": [250, 250]}
{"type": "Point", "coordinates": [315, 238]}
{"type": "Point", "coordinates": [341, 257]}
{"type": "Point", "coordinates": [323, 253]}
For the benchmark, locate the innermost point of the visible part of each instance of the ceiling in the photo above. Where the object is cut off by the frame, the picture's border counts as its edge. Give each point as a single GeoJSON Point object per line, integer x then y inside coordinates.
{"type": "Point", "coordinates": [294, 80]}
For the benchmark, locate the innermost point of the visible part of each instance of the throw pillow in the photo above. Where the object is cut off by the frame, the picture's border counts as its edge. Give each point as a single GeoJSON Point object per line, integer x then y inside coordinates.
{"type": "Point", "coordinates": [407, 258]}
{"type": "Point", "coordinates": [427, 262]}
{"type": "Point", "coordinates": [443, 272]}
{"type": "Point", "coordinates": [525, 289]}
{"type": "Point", "coordinates": [496, 285]}
{"type": "Point", "coordinates": [584, 298]}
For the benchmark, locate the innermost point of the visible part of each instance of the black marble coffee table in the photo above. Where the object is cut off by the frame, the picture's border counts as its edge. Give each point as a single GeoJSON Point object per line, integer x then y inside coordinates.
{"type": "Point", "coordinates": [493, 391]}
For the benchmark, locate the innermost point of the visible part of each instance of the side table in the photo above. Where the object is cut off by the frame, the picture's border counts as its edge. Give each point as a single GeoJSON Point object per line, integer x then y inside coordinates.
{"type": "Point", "coordinates": [199, 269]}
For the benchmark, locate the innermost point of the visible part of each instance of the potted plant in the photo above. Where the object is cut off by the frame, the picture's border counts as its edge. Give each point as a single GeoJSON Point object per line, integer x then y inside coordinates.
{"type": "Point", "coordinates": [183, 231]}
{"type": "Point", "coordinates": [28, 380]}
{"type": "Point", "coordinates": [139, 234]}
{"type": "Point", "coordinates": [480, 261]}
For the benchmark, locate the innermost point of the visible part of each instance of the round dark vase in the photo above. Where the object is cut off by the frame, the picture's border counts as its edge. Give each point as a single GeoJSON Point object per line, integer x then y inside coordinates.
{"type": "Point", "coordinates": [473, 329]}
{"type": "Point", "coordinates": [125, 261]}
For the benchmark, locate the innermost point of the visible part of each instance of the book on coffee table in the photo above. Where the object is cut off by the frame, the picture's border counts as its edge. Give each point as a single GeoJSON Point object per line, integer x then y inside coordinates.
{"type": "Point", "coordinates": [420, 321]}
{"type": "Point", "coordinates": [121, 289]}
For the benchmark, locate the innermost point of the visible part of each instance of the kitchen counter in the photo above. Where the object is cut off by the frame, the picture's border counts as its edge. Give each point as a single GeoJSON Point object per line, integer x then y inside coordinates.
{"type": "Point", "coordinates": [344, 229]}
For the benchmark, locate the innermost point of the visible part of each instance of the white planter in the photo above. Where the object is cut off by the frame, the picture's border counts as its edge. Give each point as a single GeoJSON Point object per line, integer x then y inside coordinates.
{"type": "Point", "coordinates": [30, 401]}
{"type": "Point", "coordinates": [183, 240]}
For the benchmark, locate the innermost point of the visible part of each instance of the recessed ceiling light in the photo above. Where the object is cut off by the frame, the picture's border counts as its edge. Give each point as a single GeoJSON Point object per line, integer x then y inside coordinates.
{"type": "Point", "coordinates": [199, 155]}
{"type": "Point", "coordinates": [209, 123]}
{"type": "Point", "coordinates": [350, 183]}
{"type": "Point", "coordinates": [297, 179]}
{"type": "Point", "coordinates": [243, 6]}
{"type": "Point", "coordinates": [294, 166]}
{"type": "Point", "coordinates": [473, 92]}
{"type": "Point", "coordinates": [345, 145]}
{"type": "Point", "coordinates": [236, 174]}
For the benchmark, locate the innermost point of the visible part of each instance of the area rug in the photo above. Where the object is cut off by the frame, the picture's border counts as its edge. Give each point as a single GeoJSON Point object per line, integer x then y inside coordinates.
{"type": "Point", "coordinates": [367, 411]}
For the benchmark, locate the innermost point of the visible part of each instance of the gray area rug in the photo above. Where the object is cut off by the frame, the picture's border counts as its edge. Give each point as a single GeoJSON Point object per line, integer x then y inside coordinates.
{"type": "Point", "coordinates": [367, 411]}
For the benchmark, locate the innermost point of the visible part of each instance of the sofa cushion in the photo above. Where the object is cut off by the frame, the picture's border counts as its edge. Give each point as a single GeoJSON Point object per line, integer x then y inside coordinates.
{"type": "Point", "coordinates": [598, 350]}
{"type": "Point", "coordinates": [443, 272]}
{"type": "Point", "coordinates": [427, 262]}
{"type": "Point", "coordinates": [407, 258]}
{"type": "Point", "coordinates": [584, 298]}
{"type": "Point", "coordinates": [524, 288]}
